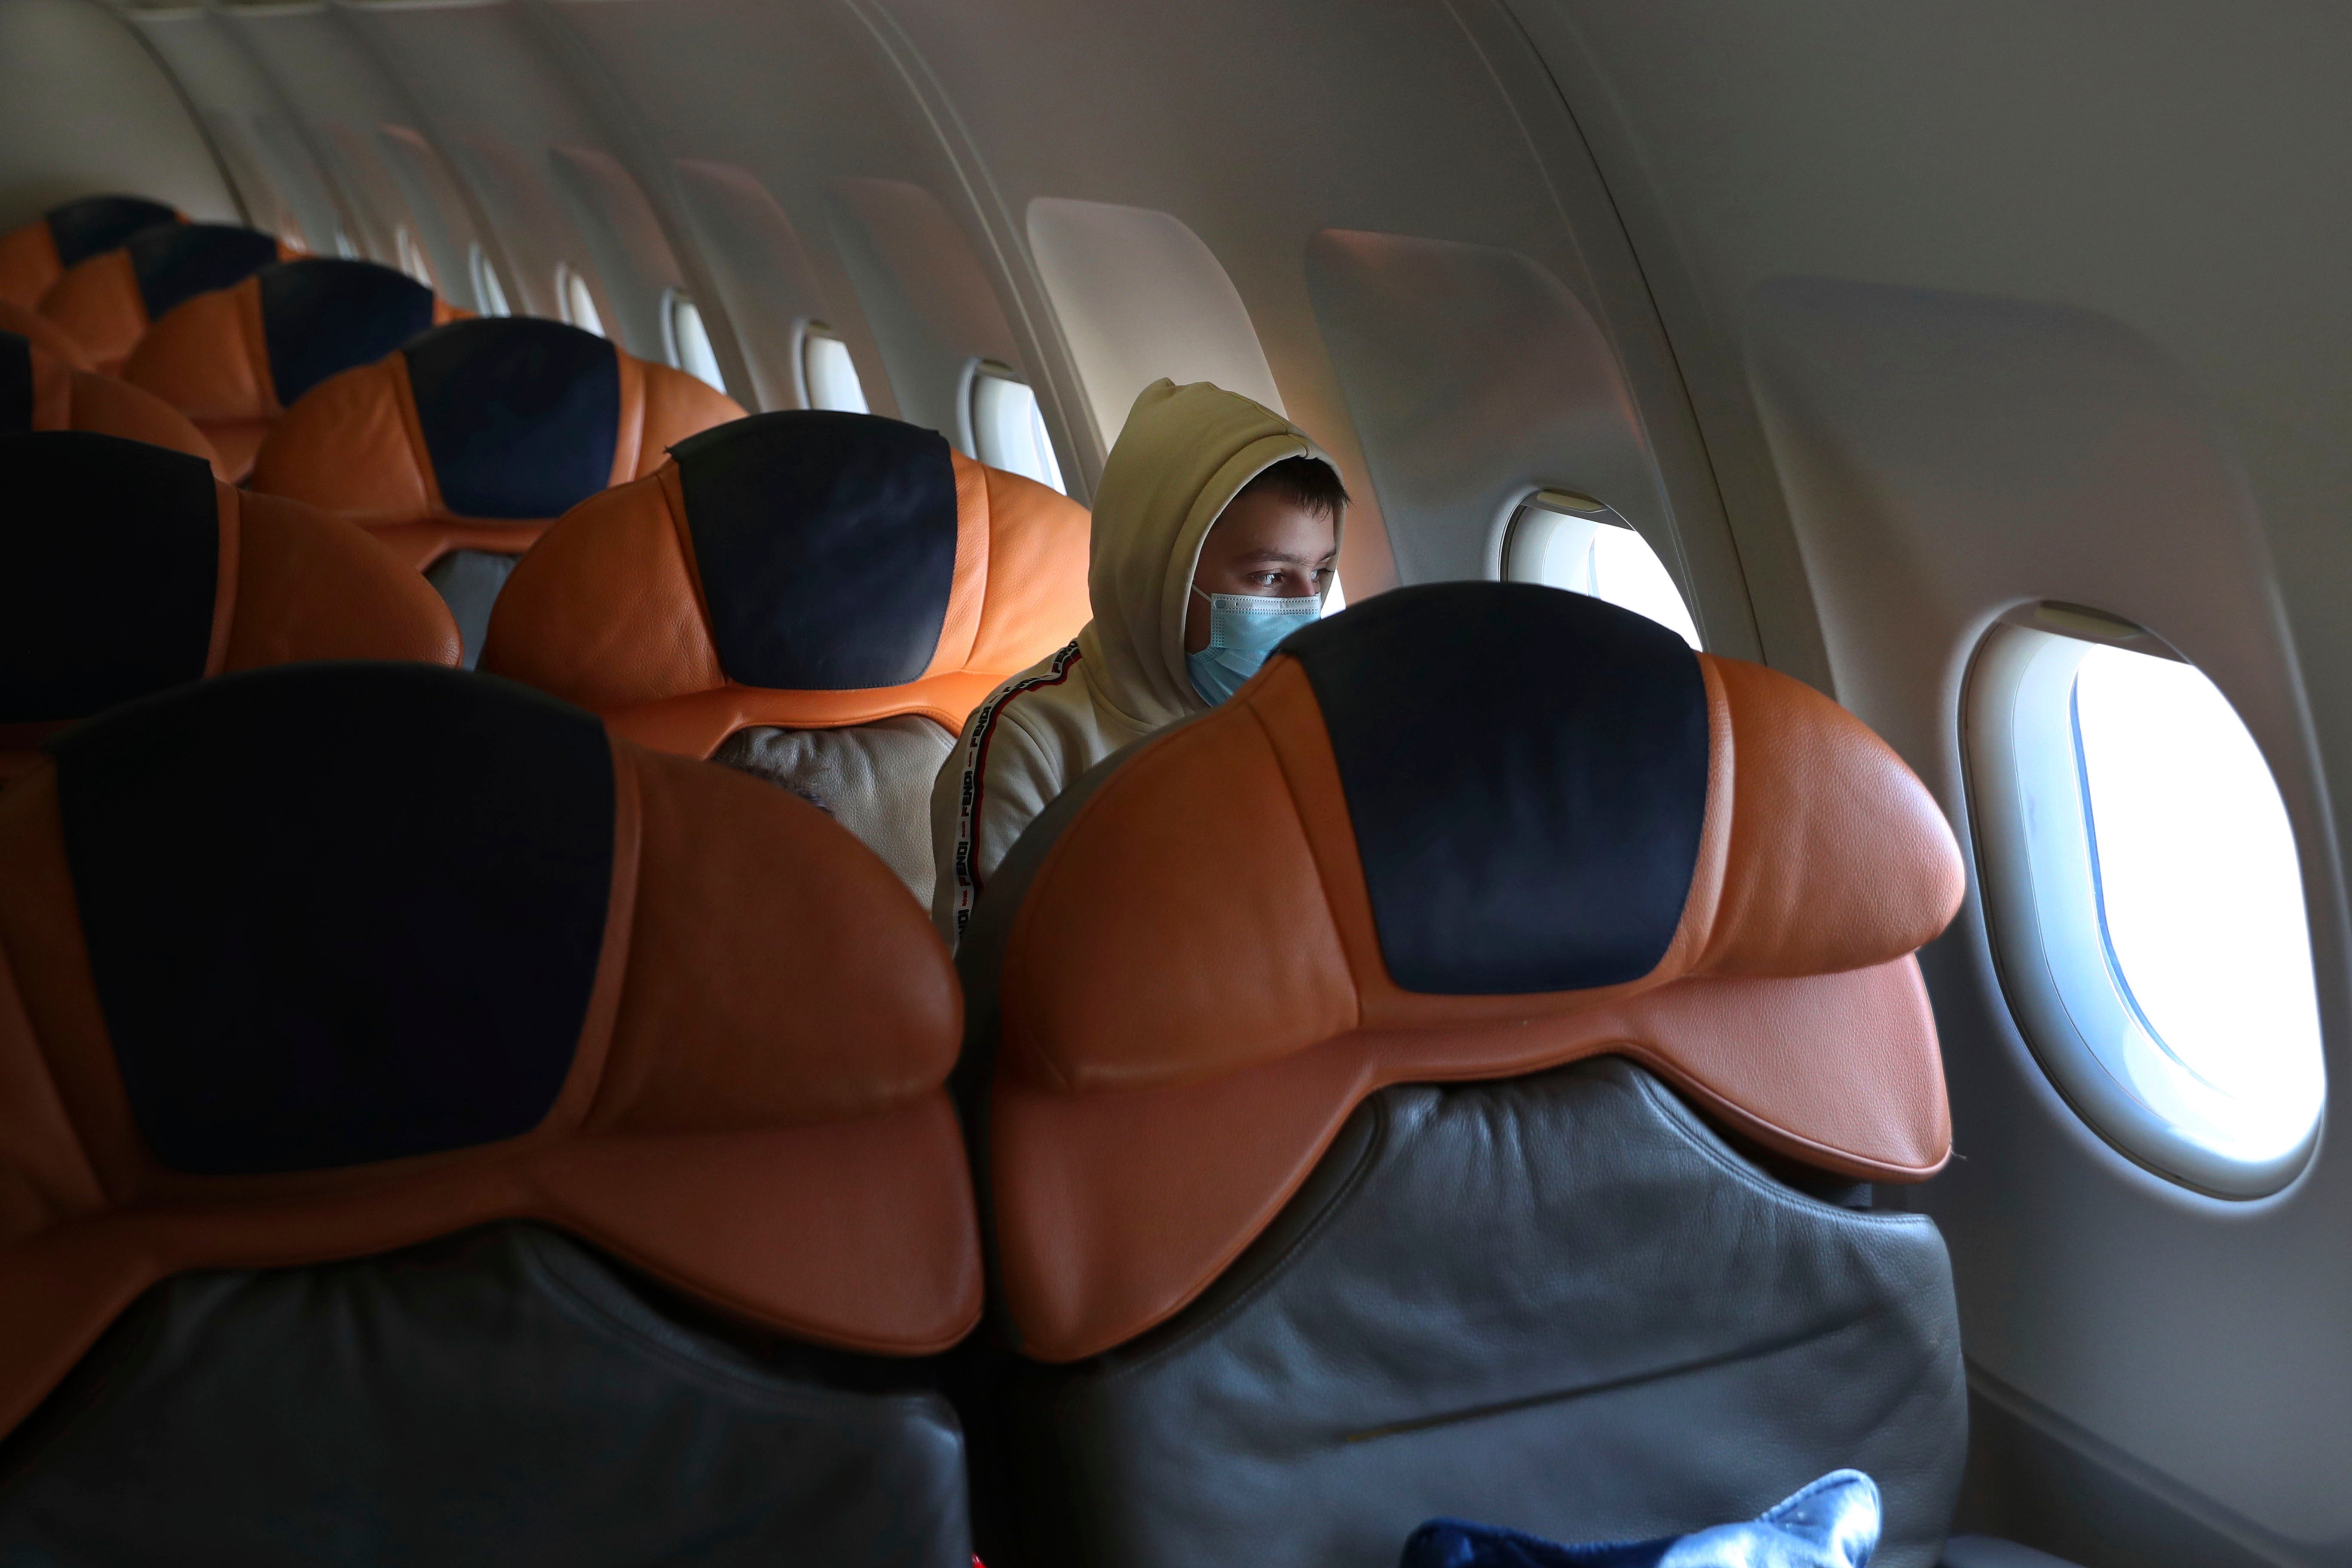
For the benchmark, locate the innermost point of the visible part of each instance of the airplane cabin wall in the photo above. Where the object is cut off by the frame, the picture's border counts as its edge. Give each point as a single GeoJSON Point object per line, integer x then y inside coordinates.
{"type": "Point", "coordinates": [85, 109]}
{"type": "Point", "coordinates": [1390, 193]}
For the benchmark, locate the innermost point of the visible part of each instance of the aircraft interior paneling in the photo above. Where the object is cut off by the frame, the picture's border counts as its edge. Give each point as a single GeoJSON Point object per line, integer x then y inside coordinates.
{"type": "Point", "coordinates": [1924, 368]}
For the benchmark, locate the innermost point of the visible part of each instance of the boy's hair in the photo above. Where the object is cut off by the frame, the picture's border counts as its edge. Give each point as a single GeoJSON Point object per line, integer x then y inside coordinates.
{"type": "Point", "coordinates": [1309, 484]}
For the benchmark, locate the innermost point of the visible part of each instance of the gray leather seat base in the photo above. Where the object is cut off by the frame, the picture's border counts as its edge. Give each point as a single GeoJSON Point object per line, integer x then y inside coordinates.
{"type": "Point", "coordinates": [874, 779]}
{"type": "Point", "coordinates": [496, 1398]}
{"type": "Point", "coordinates": [468, 581]}
{"type": "Point", "coordinates": [1560, 1304]}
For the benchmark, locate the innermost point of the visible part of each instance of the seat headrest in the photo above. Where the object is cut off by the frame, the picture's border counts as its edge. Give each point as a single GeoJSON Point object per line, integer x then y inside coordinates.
{"type": "Point", "coordinates": [32, 255]}
{"type": "Point", "coordinates": [520, 415]}
{"type": "Point", "coordinates": [235, 358]}
{"type": "Point", "coordinates": [182, 260]}
{"type": "Point", "coordinates": [95, 224]}
{"type": "Point", "coordinates": [327, 960]}
{"type": "Point", "coordinates": [481, 432]}
{"type": "Point", "coordinates": [320, 316]}
{"type": "Point", "coordinates": [107, 302]}
{"type": "Point", "coordinates": [1458, 831]}
{"type": "Point", "coordinates": [131, 569]}
{"type": "Point", "coordinates": [810, 570]}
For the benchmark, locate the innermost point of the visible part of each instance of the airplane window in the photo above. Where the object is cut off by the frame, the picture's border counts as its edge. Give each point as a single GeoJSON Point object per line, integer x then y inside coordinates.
{"type": "Point", "coordinates": [578, 300]}
{"type": "Point", "coordinates": [1007, 427]}
{"type": "Point", "coordinates": [2147, 901]}
{"type": "Point", "coordinates": [411, 256]}
{"type": "Point", "coordinates": [1572, 542]}
{"type": "Point", "coordinates": [689, 341]}
{"type": "Point", "coordinates": [489, 294]}
{"type": "Point", "coordinates": [828, 374]}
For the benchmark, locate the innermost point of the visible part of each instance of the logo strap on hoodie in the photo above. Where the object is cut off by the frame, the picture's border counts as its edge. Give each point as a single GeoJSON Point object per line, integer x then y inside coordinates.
{"type": "Point", "coordinates": [967, 881]}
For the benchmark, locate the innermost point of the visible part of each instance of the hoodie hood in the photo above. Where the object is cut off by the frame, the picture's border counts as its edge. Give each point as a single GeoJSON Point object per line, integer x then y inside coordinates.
{"type": "Point", "coordinates": [1184, 454]}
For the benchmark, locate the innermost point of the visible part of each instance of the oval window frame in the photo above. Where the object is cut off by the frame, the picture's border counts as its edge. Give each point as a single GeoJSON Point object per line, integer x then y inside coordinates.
{"type": "Point", "coordinates": [2038, 885]}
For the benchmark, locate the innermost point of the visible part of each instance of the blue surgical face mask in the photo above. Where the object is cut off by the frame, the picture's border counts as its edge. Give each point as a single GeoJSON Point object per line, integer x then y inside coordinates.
{"type": "Point", "coordinates": [1243, 629]}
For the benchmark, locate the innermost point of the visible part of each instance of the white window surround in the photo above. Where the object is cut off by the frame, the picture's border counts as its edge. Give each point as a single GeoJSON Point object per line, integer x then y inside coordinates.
{"type": "Point", "coordinates": [1008, 428]}
{"type": "Point", "coordinates": [489, 293]}
{"type": "Point", "coordinates": [686, 341]}
{"type": "Point", "coordinates": [2240, 1133]}
{"type": "Point", "coordinates": [1564, 540]}
{"type": "Point", "coordinates": [577, 300]}
{"type": "Point", "coordinates": [411, 255]}
{"type": "Point", "coordinates": [828, 376]}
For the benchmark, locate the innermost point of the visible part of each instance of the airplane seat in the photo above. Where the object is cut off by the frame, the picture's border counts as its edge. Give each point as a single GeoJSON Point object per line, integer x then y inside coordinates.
{"type": "Point", "coordinates": [433, 1133]}
{"type": "Point", "coordinates": [131, 569]}
{"type": "Point", "coordinates": [34, 254]}
{"type": "Point", "coordinates": [41, 391]}
{"type": "Point", "coordinates": [1445, 1079]}
{"type": "Point", "coordinates": [816, 598]}
{"type": "Point", "coordinates": [460, 448]}
{"type": "Point", "coordinates": [236, 359]}
{"type": "Point", "coordinates": [107, 302]}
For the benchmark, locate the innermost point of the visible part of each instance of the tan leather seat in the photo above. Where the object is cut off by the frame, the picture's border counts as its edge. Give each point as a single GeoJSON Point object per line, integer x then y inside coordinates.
{"type": "Point", "coordinates": [42, 388]}
{"type": "Point", "coordinates": [107, 302]}
{"type": "Point", "coordinates": [1436, 1081]}
{"type": "Point", "coordinates": [817, 598]}
{"type": "Point", "coordinates": [236, 359]}
{"type": "Point", "coordinates": [32, 255]}
{"type": "Point", "coordinates": [361, 1061]}
{"type": "Point", "coordinates": [133, 570]}
{"type": "Point", "coordinates": [458, 450]}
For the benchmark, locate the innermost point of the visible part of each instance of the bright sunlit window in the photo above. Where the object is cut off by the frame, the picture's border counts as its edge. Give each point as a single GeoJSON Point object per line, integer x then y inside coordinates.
{"type": "Point", "coordinates": [1008, 428]}
{"type": "Point", "coordinates": [2149, 904]}
{"type": "Point", "coordinates": [411, 256]}
{"type": "Point", "coordinates": [690, 340]}
{"type": "Point", "coordinates": [489, 294]}
{"type": "Point", "coordinates": [829, 376]}
{"type": "Point", "coordinates": [1568, 541]}
{"type": "Point", "coordinates": [578, 300]}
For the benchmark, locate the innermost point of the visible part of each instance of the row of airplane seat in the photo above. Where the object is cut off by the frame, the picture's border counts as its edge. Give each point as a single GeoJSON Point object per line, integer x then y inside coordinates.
{"type": "Point", "coordinates": [1331, 1123]}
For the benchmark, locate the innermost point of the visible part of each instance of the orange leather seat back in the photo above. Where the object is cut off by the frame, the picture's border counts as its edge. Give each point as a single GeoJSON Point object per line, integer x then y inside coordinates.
{"type": "Point", "coordinates": [132, 570]}
{"type": "Point", "coordinates": [805, 570]}
{"type": "Point", "coordinates": [236, 359]}
{"type": "Point", "coordinates": [41, 391]}
{"type": "Point", "coordinates": [376, 953]}
{"type": "Point", "coordinates": [481, 433]}
{"type": "Point", "coordinates": [107, 302]}
{"type": "Point", "coordinates": [32, 255]}
{"type": "Point", "coordinates": [1459, 832]}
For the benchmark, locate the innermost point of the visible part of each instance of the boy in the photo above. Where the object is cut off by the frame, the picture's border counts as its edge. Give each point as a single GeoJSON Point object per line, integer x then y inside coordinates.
{"type": "Point", "coordinates": [1216, 528]}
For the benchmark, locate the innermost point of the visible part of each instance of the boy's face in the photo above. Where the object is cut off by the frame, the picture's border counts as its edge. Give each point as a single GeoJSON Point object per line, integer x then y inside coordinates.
{"type": "Point", "coordinates": [1266, 546]}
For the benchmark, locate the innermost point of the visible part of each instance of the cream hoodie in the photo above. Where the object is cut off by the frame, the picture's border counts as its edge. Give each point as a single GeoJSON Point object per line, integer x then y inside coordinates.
{"type": "Point", "coordinates": [1185, 453]}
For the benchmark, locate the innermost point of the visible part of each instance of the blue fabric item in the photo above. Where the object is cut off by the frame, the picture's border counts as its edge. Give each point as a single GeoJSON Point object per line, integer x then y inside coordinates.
{"type": "Point", "coordinates": [1243, 629]}
{"type": "Point", "coordinates": [520, 416]}
{"type": "Point", "coordinates": [320, 316]}
{"type": "Point", "coordinates": [96, 225]}
{"type": "Point", "coordinates": [113, 564]}
{"type": "Point", "coordinates": [826, 547]}
{"type": "Point", "coordinates": [1832, 1522]}
{"type": "Point", "coordinates": [16, 383]}
{"type": "Point", "coordinates": [1525, 769]}
{"type": "Point", "coordinates": [181, 260]}
{"type": "Point", "coordinates": [338, 913]}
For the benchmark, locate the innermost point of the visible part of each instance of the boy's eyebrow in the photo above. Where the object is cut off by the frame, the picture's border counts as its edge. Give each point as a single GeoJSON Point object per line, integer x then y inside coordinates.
{"type": "Point", "coordinates": [1284, 558]}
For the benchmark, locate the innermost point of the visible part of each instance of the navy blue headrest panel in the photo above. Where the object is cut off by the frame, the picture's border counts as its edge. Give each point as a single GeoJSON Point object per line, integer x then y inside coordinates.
{"type": "Point", "coordinates": [96, 225]}
{"type": "Point", "coordinates": [323, 316]}
{"type": "Point", "coordinates": [1526, 770]}
{"type": "Point", "coordinates": [826, 543]}
{"type": "Point", "coordinates": [176, 263]}
{"type": "Point", "coordinates": [16, 383]}
{"type": "Point", "coordinates": [340, 912]}
{"type": "Point", "coordinates": [520, 416]}
{"type": "Point", "coordinates": [113, 561]}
